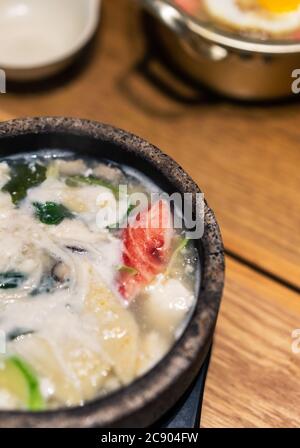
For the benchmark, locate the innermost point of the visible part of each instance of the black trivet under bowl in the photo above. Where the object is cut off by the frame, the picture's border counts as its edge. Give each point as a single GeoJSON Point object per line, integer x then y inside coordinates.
{"type": "Point", "coordinates": [187, 412]}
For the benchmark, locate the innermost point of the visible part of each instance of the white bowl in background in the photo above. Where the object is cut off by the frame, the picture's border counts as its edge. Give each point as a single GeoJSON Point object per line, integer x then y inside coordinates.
{"type": "Point", "coordinates": [38, 38]}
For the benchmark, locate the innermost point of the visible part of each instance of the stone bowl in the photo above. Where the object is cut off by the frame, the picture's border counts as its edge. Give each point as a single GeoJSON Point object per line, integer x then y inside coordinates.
{"type": "Point", "coordinates": [149, 397]}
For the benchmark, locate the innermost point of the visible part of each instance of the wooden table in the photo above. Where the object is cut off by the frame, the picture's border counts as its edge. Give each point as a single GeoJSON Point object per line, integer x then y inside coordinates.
{"type": "Point", "coordinates": [246, 159]}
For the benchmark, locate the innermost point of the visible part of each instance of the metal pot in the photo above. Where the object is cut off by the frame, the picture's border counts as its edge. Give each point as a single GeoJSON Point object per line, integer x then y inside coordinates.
{"type": "Point", "coordinates": [232, 65]}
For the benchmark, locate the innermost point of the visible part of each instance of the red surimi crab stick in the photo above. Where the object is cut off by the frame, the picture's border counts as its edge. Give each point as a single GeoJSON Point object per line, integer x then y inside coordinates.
{"type": "Point", "coordinates": [146, 248]}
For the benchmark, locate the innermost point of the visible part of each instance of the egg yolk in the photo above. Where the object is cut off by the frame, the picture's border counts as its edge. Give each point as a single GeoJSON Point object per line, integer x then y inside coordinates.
{"type": "Point", "coordinates": [279, 6]}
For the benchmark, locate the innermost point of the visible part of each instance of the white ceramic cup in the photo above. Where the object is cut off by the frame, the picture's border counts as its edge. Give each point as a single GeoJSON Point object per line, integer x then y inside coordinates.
{"type": "Point", "coordinates": [38, 38]}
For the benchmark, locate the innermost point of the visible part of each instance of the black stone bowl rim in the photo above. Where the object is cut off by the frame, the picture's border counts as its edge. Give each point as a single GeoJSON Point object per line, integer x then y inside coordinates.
{"type": "Point", "coordinates": [146, 399]}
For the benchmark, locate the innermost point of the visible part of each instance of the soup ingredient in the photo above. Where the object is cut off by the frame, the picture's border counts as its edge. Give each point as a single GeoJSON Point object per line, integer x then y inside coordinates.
{"type": "Point", "coordinates": [93, 204]}
{"type": "Point", "coordinates": [52, 213]}
{"type": "Point", "coordinates": [108, 172]}
{"type": "Point", "coordinates": [19, 380]}
{"type": "Point", "coordinates": [146, 248]}
{"type": "Point", "coordinates": [256, 15]}
{"type": "Point", "coordinates": [17, 333]}
{"type": "Point", "coordinates": [121, 221]}
{"type": "Point", "coordinates": [66, 167]}
{"type": "Point", "coordinates": [128, 269]}
{"type": "Point", "coordinates": [117, 331]}
{"type": "Point", "coordinates": [23, 177]}
{"type": "Point", "coordinates": [155, 346]}
{"type": "Point", "coordinates": [4, 173]}
{"type": "Point", "coordinates": [182, 244]}
{"type": "Point", "coordinates": [103, 340]}
{"type": "Point", "coordinates": [172, 299]}
{"type": "Point", "coordinates": [73, 369]}
{"type": "Point", "coordinates": [47, 285]}
{"type": "Point", "coordinates": [11, 279]}
{"type": "Point", "coordinates": [75, 181]}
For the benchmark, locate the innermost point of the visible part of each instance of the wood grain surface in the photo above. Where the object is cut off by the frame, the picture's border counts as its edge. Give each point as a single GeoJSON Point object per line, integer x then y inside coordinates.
{"type": "Point", "coordinates": [246, 159]}
{"type": "Point", "coordinates": [254, 376]}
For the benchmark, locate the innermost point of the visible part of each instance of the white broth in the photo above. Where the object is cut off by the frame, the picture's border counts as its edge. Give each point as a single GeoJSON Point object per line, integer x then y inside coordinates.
{"type": "Point", "coordinates": [87, 303]}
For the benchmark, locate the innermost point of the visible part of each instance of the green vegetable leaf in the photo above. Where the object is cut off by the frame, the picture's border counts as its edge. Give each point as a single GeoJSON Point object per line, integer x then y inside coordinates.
{"type": "Point", "coordinates": [75, 181]}
{"type": "Point", "coordinates": [11, 279]}
{"type": "Point", "coordinates": [130, 208]}
{"type": "Point", "coordinates": [23, 177]}
{"type": "Point", "coordinates": [52, 213]}
{"type": "Point", "coordinates": [35, 400]}
{"type": "Point", "coordinates": [128, 269]}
